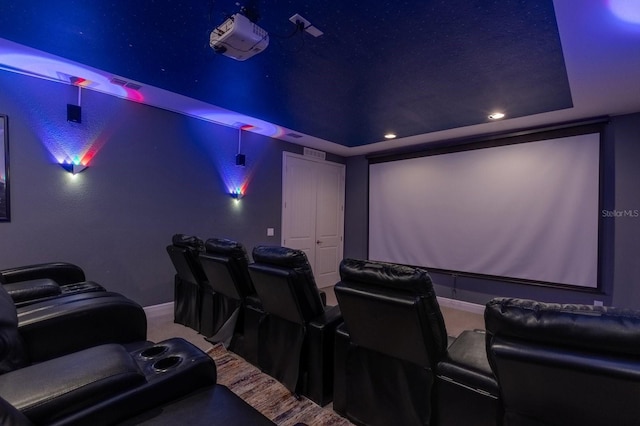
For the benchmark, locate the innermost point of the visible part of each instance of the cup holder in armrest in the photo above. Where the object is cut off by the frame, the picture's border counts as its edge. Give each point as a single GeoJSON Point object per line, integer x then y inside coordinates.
{"type": "Point", "coordinates": [154, 351]}
{"type": "Point", "coordinates": [167, 363]}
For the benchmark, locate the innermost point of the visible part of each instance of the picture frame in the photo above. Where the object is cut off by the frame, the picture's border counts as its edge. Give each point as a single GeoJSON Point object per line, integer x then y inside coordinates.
{"type": "Point", "coordinates": [4, 169]}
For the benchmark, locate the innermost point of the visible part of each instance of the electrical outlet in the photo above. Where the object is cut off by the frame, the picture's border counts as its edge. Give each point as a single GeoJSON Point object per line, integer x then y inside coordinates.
{"type": "Point", "coordinates": [270, 232]}
{"type": "Point", "coordinates": [598, 303]}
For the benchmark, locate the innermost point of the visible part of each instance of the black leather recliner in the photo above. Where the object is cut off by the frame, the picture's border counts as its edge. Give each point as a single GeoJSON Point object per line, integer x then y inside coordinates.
{"type": "Point", "coordinates": [189, 279]}
{"type": "Point", "coordinates": [84, 360]}
{"type": "Point", "coordinates": [563, 364]}
{"type": "Point", "coordinates": [45, 330]}
{"type": "Point", "coordinates": [67, 324]}
{"type": "Point", "coordinates": [107, 383]}
{"type": "Point", "coordinates": [226, 265]}
{"type": "Point", "coordinates": [58, 366]}
{"type": "Point", "coordinates": [296, 336]}
{"type": "Point", "coordinates": [391, 352]}
{"type": "Point", "coordinates": [209, 406]}
{"type": "Point", "coordinates": [34, 283]}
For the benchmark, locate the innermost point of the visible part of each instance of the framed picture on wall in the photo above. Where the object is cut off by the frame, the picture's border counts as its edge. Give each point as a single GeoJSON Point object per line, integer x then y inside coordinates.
{"type": "Point", "coordinates": [4, 169]}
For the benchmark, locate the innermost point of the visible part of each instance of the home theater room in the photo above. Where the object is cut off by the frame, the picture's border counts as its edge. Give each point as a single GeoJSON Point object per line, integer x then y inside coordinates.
{"type": "Point", "coordinates": [310, 213]}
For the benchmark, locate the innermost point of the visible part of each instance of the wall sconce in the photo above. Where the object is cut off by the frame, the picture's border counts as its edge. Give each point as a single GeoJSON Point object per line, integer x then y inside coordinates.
{"type": "Point", "coordinates": [241, 159]}
{"type": "Point", "coordinates": [74, 112]}
{"type": "Point", "coordinates": [73, 168]}
{"type": "Point", "coordinates": [237, 195]}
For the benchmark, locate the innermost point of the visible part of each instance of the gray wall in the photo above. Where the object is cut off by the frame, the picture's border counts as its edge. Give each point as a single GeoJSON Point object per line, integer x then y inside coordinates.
{"type": "Point", "coordinates": [155, 173]}
{"type": "Point", "coordinates": [356, 216]}
{"type": "Point", "coordinates": [627, 197]}
{"type": "Point", "coordinates": [620, 237]}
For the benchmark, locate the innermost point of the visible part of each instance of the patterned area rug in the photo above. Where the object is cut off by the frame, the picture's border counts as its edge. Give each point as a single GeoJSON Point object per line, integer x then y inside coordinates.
{"type": "Point", "coordinates": [267, 395]}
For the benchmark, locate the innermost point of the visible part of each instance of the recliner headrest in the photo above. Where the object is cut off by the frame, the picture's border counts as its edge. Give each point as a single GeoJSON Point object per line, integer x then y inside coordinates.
{"type": "Point", "coordinates": [281, 256]}
{"type": "Point", "coordinates": [389, 275]}
{"type": "Point", "coordinates": [594, 328]}
{"type": "Point", "coordinates": [226, 247]}
{"type": "Point", "coordinates": [187, 241]}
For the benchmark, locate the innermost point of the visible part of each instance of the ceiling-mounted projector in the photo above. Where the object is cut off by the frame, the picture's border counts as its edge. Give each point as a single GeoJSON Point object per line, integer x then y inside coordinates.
{"type": "Point", "coordinates": [238, 38]}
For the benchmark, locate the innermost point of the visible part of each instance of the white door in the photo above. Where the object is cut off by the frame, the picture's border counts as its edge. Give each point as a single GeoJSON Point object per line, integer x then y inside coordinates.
{"type": "Point", "coordinates": [313, 213]}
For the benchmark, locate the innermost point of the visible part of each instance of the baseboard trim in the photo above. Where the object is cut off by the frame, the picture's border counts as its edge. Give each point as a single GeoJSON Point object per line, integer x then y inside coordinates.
{"type": "Point", "coordinates": [461, 305]}
{"type": "Point", "coordinates": [157, 310]}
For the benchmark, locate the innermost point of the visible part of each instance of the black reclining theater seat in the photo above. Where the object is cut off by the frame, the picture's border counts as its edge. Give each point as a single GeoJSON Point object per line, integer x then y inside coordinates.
{"type": "Point", "coordinates": [390, 349]}
{"type": "Point", "coordinates": [226, 265]}
{"type": "Point", "coordinates": [106, 384]}
{"type": "Point", "coordinates": [565, 364]}
{"type": "Point", "coordinates": [213, 405]}
{"type": "Point", "coordinates": [189, 279]}
{"type": "Point", "coordinates": [59, 326]}
{"type": "Point", "coordinates": [61, 362]}
{"type": "Point", "coordinates": [296, 336]}
{"type": "Point", "coordinates": [34, 283]}
{"type": "Point", "coordinates": [66, 324]}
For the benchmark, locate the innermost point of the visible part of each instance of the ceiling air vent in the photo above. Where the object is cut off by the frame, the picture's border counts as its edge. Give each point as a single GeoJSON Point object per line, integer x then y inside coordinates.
{"type": "Point", "coordinates": [293, 135]}
{"type": "Point", "coordinates": [320, 155]}
{"type": "Point", "coordinates": [133, 86]}
{"type": "Point", "coordinates": [118, 81]}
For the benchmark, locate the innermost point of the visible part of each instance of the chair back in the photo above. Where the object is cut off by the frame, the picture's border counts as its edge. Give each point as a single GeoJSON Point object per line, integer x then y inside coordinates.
{"type": "Point", "coordinates": [563, 364]}
{"type": "Point", "coordinates": [183, 251]}
{"type": "Point", "coordinates": [392, 309]}
{"type": "Point", "coordinates": [285, 284]}
{"type": "Point", "coordinates": [225, 263]}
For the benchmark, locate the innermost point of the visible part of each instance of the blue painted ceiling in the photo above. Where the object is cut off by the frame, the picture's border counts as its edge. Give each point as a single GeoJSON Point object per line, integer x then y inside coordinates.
{"type": "Point", "coordinates": [410, 67]}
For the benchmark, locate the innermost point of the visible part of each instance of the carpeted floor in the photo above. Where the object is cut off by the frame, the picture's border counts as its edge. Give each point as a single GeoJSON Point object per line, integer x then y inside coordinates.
{"type": "Point", "coordinates": [267, 395]}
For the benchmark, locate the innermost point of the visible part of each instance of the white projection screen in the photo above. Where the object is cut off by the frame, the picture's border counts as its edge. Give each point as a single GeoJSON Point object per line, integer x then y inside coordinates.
{"type": "Point", "coordinates": [527, 211]}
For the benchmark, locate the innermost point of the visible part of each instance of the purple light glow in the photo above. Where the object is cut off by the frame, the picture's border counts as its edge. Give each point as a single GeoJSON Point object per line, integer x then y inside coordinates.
{"type": "Point", "coordinates": [626, 10]}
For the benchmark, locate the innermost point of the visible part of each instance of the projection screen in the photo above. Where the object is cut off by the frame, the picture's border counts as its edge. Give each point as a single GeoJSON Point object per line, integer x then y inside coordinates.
{"type": "Point", "coordinates": [528, 211]}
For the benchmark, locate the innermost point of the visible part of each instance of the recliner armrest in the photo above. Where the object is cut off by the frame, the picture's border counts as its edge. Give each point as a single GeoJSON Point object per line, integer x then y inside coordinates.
{"type": "Point", "coordinates": [323, 297]}
{"type": "Point", "coordinates": [341, 348]}
{"type": "Point", "coordinates": [320, 338]}
{"type": "Point", "coordinates": [22, 291]}
{"type": "Point", "coordinates": [467, 390]}
{"type": "Point", "coordinates": [331, 317]}
{"type": "Point", "coordinates": [59, 326]}
{"type": "Point", "coordinates": [61, 272]}
{"type": "Point", "coordinates": [466, 362]}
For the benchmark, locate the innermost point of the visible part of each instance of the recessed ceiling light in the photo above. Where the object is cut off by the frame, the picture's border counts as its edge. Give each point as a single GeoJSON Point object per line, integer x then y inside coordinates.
{"type": "Point", "coordinates": [496, 116]}
{"type": "Point", "coordinates": [390, 136]}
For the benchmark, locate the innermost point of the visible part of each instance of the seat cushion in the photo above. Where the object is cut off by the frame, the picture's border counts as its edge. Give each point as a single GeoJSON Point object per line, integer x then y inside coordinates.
{"type": "Point", "coordinates": [58, 387]}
